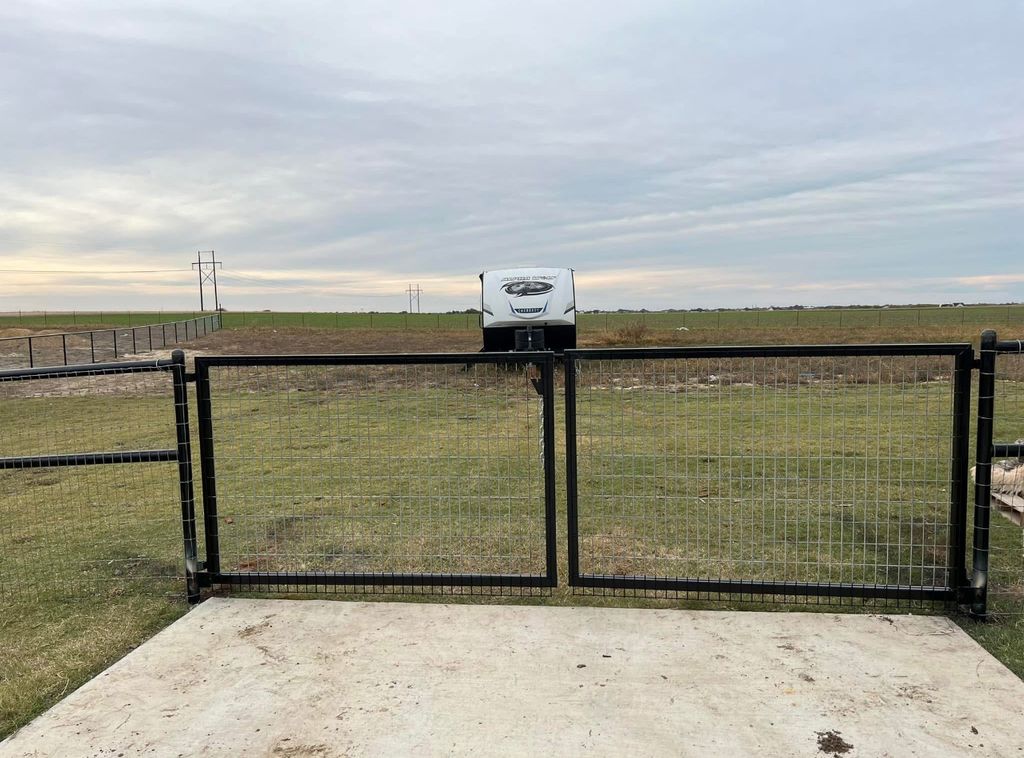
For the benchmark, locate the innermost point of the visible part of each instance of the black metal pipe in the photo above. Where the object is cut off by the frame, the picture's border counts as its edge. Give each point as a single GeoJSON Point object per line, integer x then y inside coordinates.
{"type": "Point", "coordinates": [963, 371]}
{"type": "Point", "coordinates": [87, 459]}
{"type": "Point", "coordinates": [547, 368]}
{"type": "Point", "coordinates": [571, 491]}
{"type": "Point", "coordinates": [64, 347]}
{"type": "Point", "coordinates": [114, 332]}
{"type": "Point", "coordinates": [1010, 346]}
{"type": "Point", "coordinates": [61, 372]}
{"type": "Point", "coordinates": [983, 474]}
{"type": "Point", "coordinates": [1015, 450]}
{"type": "Point", "coordinates": [31, 362]}
{"type": "Point", "coordinates": [371, 359]}
{"type": "Point", "coordinates": [207, 467]}
{"type": "Point", "coordinates": [186, 490]}
{"type": "Point", "coordinates": [772, 351]}
{"type": "Point", "coordinates": [759, 587]}
{"type": "Point", "coordinates": [381, 579]}
{"type": "Point", "coordinates": [92, 347]}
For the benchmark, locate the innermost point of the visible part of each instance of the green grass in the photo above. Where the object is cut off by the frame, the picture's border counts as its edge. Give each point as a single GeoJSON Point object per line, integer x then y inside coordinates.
{"type": "Point", "coordinates": [980, 315]}
{"type": "Point", "coordinates": [354, 469]}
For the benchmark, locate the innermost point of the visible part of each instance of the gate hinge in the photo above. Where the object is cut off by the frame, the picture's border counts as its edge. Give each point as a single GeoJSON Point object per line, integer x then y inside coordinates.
{"type": "Point", "coordinates": [190, 377]}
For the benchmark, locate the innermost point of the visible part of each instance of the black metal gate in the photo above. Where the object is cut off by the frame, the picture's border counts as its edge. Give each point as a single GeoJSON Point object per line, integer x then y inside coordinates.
{"type": "Point", "coordinates": [813, 471]}
{"type": "Point", "coordinates": [377, 471]}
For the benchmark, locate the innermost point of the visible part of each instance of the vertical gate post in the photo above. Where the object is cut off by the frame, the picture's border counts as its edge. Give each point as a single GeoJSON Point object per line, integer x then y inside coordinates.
{"type": "Point", "coordinates": [550, 511]}
{"type": "Point", "coordinates": [963, 374]}
{"type": "Point", "coordinates": [571, 505]}
{"type": "Point", "coordinates": [983, 474]}
{"type": "Point", "coordinates": [206, 464]}
{"type": "Point", "coordinates": [186, 490]}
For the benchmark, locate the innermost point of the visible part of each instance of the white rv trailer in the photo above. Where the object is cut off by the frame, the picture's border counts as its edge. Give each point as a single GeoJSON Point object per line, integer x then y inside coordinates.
{"type": "Point", "coordinates": [534, 299]}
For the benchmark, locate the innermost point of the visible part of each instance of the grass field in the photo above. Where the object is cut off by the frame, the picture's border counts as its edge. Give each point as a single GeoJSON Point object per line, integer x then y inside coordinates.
{"type": "Point", "coordinates": [814, 471]}
{"type": "Point", "coordinates": [811, 318]}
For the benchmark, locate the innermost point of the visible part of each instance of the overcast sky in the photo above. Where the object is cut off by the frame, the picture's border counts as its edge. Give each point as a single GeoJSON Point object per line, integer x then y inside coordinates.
{"type": "Point", "coordinates": [675, 154]}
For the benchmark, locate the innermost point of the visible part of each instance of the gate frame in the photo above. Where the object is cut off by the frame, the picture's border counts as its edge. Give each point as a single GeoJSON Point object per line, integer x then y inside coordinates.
{"type": "Point", "coordinates": [181, 453]}
{"type": "Point", "coordinates": [963, 355]}
{"type": "Point", "coordinates": [544, 361]}
{"type": "Point", "coordinates": [987, 449]}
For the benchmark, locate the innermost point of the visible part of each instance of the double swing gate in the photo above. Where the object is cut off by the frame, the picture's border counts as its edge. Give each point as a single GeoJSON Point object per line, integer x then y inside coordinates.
{"type": "Point", "coordinates": [836, 473]}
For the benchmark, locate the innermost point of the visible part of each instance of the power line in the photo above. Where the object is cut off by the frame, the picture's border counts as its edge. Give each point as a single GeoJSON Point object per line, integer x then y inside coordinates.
{"type": "Point", "coordinates": [82, 271]}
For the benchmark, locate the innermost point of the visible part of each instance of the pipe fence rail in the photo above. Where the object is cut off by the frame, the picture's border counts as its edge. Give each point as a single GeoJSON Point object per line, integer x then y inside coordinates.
{"type": "Point", "coordinates": [100, 345]}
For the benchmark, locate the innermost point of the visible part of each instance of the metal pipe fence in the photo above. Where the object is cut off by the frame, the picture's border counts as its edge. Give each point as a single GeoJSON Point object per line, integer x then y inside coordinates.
{"type": "Point", "coordinates": [94, 462]}
{"type": "Point", "coordinates": [807, 473]}
{"type": "Point", "coordinates": [812, 473]}
{"type": "Point", "coordinates": [100, 345]}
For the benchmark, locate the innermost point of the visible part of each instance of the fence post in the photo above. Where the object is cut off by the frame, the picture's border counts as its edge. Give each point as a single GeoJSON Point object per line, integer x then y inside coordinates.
{"type": "Point", "coordinates": [185, 488]}
{"type": "Point", "coordinates": [114, 332]}
{"type": "Point", "coordinates": [92, 346]}
{"type": "Point", "coordinates": [135, 345]}
{"type": "Point", "coordinates": [571, 505]}
{"type": "Point", "coordinates": [206, 467]}
{"type": "Point", "coordinates": [963, 374]}
{"type": "Point", "coordinates": [31, 363]}
{"type": "Point", "coordinates": [64, 347]}
{"type": "Point", "coordinates": [983, 474]}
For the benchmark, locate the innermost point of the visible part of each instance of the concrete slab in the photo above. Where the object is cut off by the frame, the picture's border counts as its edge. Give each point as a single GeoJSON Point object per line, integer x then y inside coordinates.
{"type": "Point", "coordinates": [323, 678]}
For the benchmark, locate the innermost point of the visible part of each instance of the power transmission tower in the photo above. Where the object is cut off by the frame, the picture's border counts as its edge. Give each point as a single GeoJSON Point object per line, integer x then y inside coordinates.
{"type": "Point", "coordinates": [207, 267]}
{"type": "Point", "coordinates": [414, 296]}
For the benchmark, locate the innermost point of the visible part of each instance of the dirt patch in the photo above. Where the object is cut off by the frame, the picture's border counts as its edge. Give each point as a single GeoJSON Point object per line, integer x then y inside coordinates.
{"type": "Point", "coordinates": [832, 743]}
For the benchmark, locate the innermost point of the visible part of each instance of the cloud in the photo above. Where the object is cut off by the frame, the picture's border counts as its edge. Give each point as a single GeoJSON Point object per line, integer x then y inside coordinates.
{"type": "Point", "coordinates": [674, 155]}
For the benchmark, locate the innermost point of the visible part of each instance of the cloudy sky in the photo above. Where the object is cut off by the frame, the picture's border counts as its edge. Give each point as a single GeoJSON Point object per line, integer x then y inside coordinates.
{"type": "Point", "coordinates": [676, 154]}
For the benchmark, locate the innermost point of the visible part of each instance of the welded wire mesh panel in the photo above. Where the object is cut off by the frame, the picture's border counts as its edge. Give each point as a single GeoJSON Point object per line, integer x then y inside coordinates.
{"type": "Point", "coordinates": [14, 353]}
{"type": "Point", "coordinates": [86, 530]}
{"type": "Point", "coordinates": [80, 348]}
{"type": "Point", "coordinates": [1006, 560]}
{"type": "Point", "coordinates": [103, 343]}
{"type": "Point", "coordinates": [749, 474]}
{"type": "Point", "coordinates": [400, 472]}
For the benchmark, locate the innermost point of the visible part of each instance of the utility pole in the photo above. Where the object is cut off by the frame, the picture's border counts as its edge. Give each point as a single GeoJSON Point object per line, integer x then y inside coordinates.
{"type": "Point", "coordinates": [206, 264]}
{"type": "Point", "coordinates": [414, 296]}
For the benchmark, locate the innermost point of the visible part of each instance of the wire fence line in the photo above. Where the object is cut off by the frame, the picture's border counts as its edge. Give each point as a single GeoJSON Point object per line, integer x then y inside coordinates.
{"type": "Point", "coordinates": [100, 345]}
{"type": "Point", "coordinates": [842, 318]}
{"type": "Point", "coordinates": [89, 489]}
{"type": "Point", "coordinates": [830, 473]}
